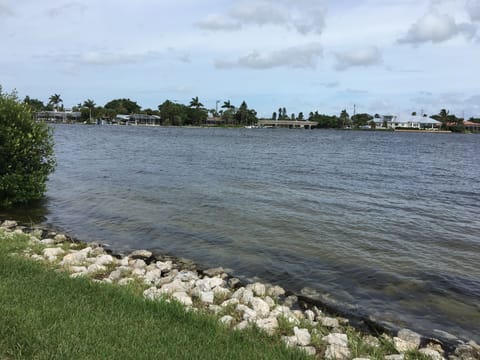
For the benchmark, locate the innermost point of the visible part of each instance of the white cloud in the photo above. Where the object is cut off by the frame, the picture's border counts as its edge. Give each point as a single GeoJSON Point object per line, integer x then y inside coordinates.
{"type": "Point", "coordinates": [436, 28]}
{"type": "Point", "coordinates": [473, 9]}
{"type": "Point", "coordinates": [305, 56]}
{"type": "Point", "coordinates": [218, 22]}
{"type": "Point", "coordinates": [114, 58]}
{"type": "Point", "coordinates": [305, 16]}
{"type": "Point", "coordinates": [367, 56]}
{"type": "Point", "coordinates": [5, 10]}
{"type": "Point", "coordinates": [68, 8]}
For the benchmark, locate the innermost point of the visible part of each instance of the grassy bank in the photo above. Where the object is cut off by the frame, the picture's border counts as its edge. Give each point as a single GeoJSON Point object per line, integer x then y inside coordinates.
{"type": "Point", "coordinates": [47, 315]}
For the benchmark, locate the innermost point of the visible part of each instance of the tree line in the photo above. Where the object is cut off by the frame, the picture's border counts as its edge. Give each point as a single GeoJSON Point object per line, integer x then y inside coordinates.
{"type": "Point", "coordinates": [195, 113]}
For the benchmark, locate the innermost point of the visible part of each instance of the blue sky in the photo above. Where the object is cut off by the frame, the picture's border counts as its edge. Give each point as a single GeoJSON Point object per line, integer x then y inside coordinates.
{"type": "Point", "coordinates": [384, 56]}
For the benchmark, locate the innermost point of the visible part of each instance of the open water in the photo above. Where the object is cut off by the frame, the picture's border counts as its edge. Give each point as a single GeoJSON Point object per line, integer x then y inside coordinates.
{"type": "Point", "coordinates": [383, 224]}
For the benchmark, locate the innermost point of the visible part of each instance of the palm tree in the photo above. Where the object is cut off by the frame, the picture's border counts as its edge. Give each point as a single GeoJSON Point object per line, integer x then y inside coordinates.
{"type": "Point", "coordinates": [90, 105]}
{"type": "Point", "coordinates": [227, 105]}
{"type": "Point", "coordinates": [196, 103]}
{"type": "Point", "coordinates": [55, 100]}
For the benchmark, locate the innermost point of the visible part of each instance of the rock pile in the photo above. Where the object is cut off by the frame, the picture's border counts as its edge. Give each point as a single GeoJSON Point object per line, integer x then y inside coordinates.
{"type": "Point", "coordinates": [263, 305]}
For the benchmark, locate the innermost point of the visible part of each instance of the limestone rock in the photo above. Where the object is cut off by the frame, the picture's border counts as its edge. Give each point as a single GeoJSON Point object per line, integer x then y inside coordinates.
{"type": "Point", "coordinates": [310, 350]}
{"type": "Point", "coordinates": [269, 325]}
{"type": "Point", "coordinates": [152, 293]}
{"type": "Point", "coordinates": [104, 260]}
{"type": "Point", "coordinates": [152, 276]}
{"type": "Point", "coordinates": [410, 337]}
{"type": "Point", "coordinates": [290, 341]}
{"type": "Point", "coordinates": [74, 258]}
{"type": "Point", "coordinates": [229, 302]}
{"type": "Point", "coordinates": [164, 266]}
{"type": "Point", "coordinates": [248, 314]}
{"type": "Point", "coordinates": [242, 325]}
{"type": "Point", "coordinates": [336, 339]}
{"type": "Point", "coordinates": [137, 264]}
{"type": "Point", "coordinates": [260, 306]}
{"type": "Point", "coordinates": [207, 297]}
{"type": "Point", "coordinates": [432, 354]}
{"type": "Point", "coordinates": [52, 253]}
{"type": "Point", "coordinates": [214, 271]}
{"type": "Point", "coordinates": [216, 309]}
{"type": "Point", "coordinates": [468, 351]}
{"type": "Point", "coordinates": [141, 254]}
{"type": "Point", "coordinates": [125, 281]}
{"type": "Point", "coordinates": [233, 282]}
{"type": "Point", "coordinates": [183, 298]}
{"type": "Point", "coordinates": [9, 224]}
{"type": "Point", "coordinates": [403, 346]}
{"type": "Point", "coordinates": [257, 288]}
{"type": "Point", "coordinates": [310, 315]}
{"type": "Point", "coordinates": [60, 238]}
{"type": "Point", "coordinates": [337, 352]}
{"type": "Point", "coordinates": [290, 301]}
{"type": "Point", "coordinates": [227, 320]}
{"type": "Point", "coordinates": [95, 268]}
{"type": "Point", "coordinates": [303, 336]}
{"type": "Point", "coordinates": [395, 357]}
{"type": "Point", "coordinates": [221, 292]}
{"type": "Point", "coordinates": [275, 291]}
{"type": "Point", "coordinates": [174, 286]}
{"type": "Point", "coordinates": [329, 322]}
{"type": "Point", "coordinates": [247, 296]}
{"type": "Point", "coordinates": [47, 241]}
{"type": "Point", "coordinates": [115, 275]}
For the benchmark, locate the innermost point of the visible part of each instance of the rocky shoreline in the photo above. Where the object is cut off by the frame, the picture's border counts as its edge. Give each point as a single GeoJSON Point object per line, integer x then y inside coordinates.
{"type": "Point", "coordinates": [300, 321]}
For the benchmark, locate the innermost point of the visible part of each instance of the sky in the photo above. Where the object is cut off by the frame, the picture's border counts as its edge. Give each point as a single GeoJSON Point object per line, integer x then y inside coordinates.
{"type": "Point", "coordinates": [377, 56]}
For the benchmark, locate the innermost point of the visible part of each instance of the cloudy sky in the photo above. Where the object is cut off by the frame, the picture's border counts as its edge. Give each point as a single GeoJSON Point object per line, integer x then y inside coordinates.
{"type": "Point", "coordinates": [384, 56]}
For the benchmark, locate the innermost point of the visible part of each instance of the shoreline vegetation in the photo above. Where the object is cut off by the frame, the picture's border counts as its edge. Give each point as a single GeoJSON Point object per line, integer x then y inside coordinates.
{"type": "Point", "coordinates": [72, 300]}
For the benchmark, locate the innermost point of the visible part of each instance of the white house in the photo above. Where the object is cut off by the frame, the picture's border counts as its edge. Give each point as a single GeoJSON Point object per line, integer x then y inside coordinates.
{"type": "Point", "coordinates": [407, 122]}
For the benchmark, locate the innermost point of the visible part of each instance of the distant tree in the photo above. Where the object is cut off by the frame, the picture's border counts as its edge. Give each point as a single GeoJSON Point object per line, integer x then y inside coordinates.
{"type": "Point", "coordinates": [55, 100]}
{"type": "Point", "coordinates": [195, 103]}
{"type": "Point", "coordinates": [274, 116]}
{"type": "Point", "coordinates": [414, 113]}
{"type": "Point", "coordinates": [123, 106]}
{"type": "Point", "coordinates": [35, 104]}
{"type": "Point", "coordinates": [27, 154]}
{"type": "Point", "coordinates": [345, 118]}
{"type": "Point", "coordinates": [172, 113]}
{"type": "Point", "coordinates": [284, 113]}
{"type": "Point", "coordinates": [280, 116]}
{"type": "Point", "coordinates": [244, 115]}
{"type": "Point", "coordinates": [300, 115]}
{"type": "Point", "coordinates": [292, 116]}
{"type": "Point", "coordinates": [361, 119]}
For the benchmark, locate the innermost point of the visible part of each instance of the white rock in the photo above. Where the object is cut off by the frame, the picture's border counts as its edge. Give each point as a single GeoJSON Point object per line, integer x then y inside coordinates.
{"type": "Point", "coordinates": [361, 359]}
{"type": "Point", "coordinates": [395, 357]}
{"type": "Point", "coordinates": [174, 286]}
{"type": "Point", "coordinates": [60, 238]}
{"type": "Point", "coordinates": [269, 325]}
{"type": "Point", "coordinates": [329, 322]}
{"type": "Point", "coordinates": [275, 291]}
{"type": "Point", "coordinates": [53, 252]}
{"type": "Point", "coordinates": [336, 339]}
{"type": "Point", "coordinates": [152, 293]}
{"type": "Point", "coordinates": [203, 284]}
{"type": "Point", "coordinates": [186, 275]}
{"type": "Point", "coordinates": [123, 261]}
{"type": "Point", "coordinates": [303, 336]}
{"type": "Point", "coordinates": [115, 275]}
{"type": "Point", "coordinates": [94, 268]}
{"type": "Point", "coordinates": [125, 281]}
{"type": "Point", "coordinates": [269, 301]}
{"type": "Point", "coordinates": [216, 309]}
{"type": "Point", "coordinates": [215, 282]}
{"type": "Point", "coordinates": [227, 320]}
{"type": "Point", "coordinates": [164, 266]}
{"type": "Point", "coordinates": [248, 314]}
{"type": "Point", "coordinates": [153, 276]}
{"type": "Point", "coordinates": [238, 294]}
{"type": "Point", "coordinates": [78, 269]}
{"type": "Point", "coordinates": [247, 296]}
{"type": "Point", "coordinates": [221, 292]}
{"type": "Point", "coordinates": [242, 325]}
{"type": "Point", "coordinates": [141, 254]}
{"type": "Point", "coordinates": [183, 298]}
{"type": "Point", "coordinates": [260, 307]}
{"type": "Point", "coordinates": [104, 260]}
{"type": "Point", "coordinates": [403, 346]}
{"type": "Point", "coordinates": [257, 288]}
{"type": "Point", "coordinates": [76, 275]}
{"type": "Point", "coordinates": [207, 297]}
{"type": "Point", "coordinates": [74, 258]}
{"type": "Point", "coordinates": [137, 264]}
{"type": "Point", "coordinates": [229, 302]}
{"type": "Point", "coordinates": [410, 337]}
{"type": "Point", "coordinates": [337, 352]}
{"type": "Point", "coordinates": [310, 315]}
{"type": "Point", "coordinates": [214, 271]}
{"type": "Point", "coordinates": [47, 241]}
{"type": "Point", "coordinates": [8, 224]}
{"type": "Point", "coordinates": [281, 310]}
{"type": "Point", "coordinates": [433, 354]}
{"type": "Point", "coordinates": [37, 257]}
{"type": "Point", "coordinates": [138, 272]}
{"type": "Point", "coordinates": [290, 341]}
{"type": "Point", "coordinates": [97, 251]}
{"type": "Point", "coordinates": [310, 350]}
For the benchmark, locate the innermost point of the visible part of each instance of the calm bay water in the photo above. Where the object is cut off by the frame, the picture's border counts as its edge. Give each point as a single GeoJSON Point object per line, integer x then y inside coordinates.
{"type": "Point", "coordinates": [384, 224]}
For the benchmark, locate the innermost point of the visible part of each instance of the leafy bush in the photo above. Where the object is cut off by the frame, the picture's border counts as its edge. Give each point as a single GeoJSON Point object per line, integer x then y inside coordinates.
{"type": "Point", "coordinates": [26, 152]}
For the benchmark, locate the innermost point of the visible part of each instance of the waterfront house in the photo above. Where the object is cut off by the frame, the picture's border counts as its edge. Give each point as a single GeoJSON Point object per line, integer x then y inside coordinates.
{"type": "Point", "coordinates": [58, 116]}
{"type": "Point", "coordinates": [407, 122]}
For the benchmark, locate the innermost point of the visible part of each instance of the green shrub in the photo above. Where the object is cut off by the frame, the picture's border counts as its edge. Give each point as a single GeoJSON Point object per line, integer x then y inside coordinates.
{"type": "Point", "coordinates": [26, 152]}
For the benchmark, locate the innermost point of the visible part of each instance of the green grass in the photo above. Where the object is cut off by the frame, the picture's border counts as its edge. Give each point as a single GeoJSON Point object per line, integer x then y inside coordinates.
{"type": "Point", "coordinates": [47, 315]}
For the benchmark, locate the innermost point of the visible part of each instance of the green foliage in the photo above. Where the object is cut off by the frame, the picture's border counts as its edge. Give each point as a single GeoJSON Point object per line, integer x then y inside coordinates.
{"type": "Point", "coordinates": [325, 121]}
{"type": "Point", "coordinates": [123, 106]}
{"type": "Point", "coordinates": [361, 119]}
{"type": "Point", "coordinates": [26, 153]}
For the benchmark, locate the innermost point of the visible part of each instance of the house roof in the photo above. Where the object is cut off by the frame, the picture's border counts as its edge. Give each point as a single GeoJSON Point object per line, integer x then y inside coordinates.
{"type": "Point", "coordinates": [404, 118]}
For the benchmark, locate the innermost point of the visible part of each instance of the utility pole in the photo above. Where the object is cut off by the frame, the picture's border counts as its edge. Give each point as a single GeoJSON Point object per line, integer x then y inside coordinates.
{"type": "Point", "coordinates": [354, 109]}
